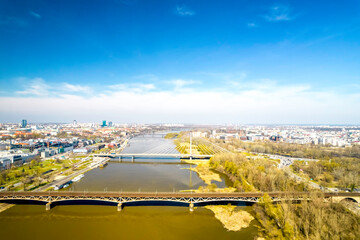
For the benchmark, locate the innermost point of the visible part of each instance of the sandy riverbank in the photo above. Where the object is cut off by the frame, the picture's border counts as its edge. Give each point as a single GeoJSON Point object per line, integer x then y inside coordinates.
{"type": "Point", "coordinates": [232, 218]}
{"type": "Point", "coordinates": [5, 206]}
{"type": "Point", "coordinates": [204, 171]}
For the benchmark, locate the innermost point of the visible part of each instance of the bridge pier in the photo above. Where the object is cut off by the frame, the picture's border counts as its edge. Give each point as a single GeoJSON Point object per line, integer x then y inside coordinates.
{"type": "Point", "coordinates": [191, 207]}
{"type": "Point", "coordinates": [48, 206]}
{"type": "Point", "coordinates": [133, 159]}
{"type": "Point", "coordinates": [119, 207]}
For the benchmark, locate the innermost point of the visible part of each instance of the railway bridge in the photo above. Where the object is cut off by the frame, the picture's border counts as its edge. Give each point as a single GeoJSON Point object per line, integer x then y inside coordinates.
{"type": "Point", "coordinates": [155, 155]}
{"type": "Point", "coordinates": [121, 199]}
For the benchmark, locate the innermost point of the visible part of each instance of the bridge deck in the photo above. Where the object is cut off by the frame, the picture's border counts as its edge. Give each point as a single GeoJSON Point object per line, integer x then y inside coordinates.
{"type": "Point", "coordinates": [163, 155]}
{"type": "Point", "coordinates": [167, 194]}
{"type": "Point", "coordinates": [177, 198]}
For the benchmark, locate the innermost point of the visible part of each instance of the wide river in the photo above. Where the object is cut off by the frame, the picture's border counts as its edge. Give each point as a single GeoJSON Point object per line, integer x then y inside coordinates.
{"type": "Point", "coordinates": [137, 222]}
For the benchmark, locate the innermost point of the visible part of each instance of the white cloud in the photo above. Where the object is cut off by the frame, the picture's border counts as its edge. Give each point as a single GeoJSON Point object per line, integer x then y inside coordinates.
{"type": "Point", "coordinates": [219, 76]}
{"type": "Point", "coordinates": [179, 83]}
{"type": "Point", "coordinates": [37, 87]}
{"type": "Point", "coordinates": [136, 87]}
{"type": "Point", "coordinates": [118, 87]}
{"type": "Point", "coordinates": [263, 102]}
{"type": "Point", "coordinates": [76, 88]}
{"type": "Point", "coordinates": [251, 25]}
{"type": "Point", "coordinates": [147, 86]}
{"type": "Point", "coordinates": [184, 11]}
{"type": "Point", "coordinates": [259, 84]}
{"type": "Point", "coordinates": [35, 15]}
{"type": "Point", "coordinates": [279, 13]}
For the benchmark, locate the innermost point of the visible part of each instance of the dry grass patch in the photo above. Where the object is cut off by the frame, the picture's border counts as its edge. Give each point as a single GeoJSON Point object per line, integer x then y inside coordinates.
{"type": "Point", "coordinates": [232, 218]}
{"type": "Point", "coordinates": [204, 171]}
{"type": "Point", "coordinates": [217, 190]}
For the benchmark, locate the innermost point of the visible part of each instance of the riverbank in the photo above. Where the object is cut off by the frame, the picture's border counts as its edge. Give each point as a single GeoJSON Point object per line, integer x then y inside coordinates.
{"type": "Point", "coordinates": [33, 173]}
{"type": "Point", "coordinates": [69, 176]}
{"type": "Point", "coordinates": [204, 171]}
{"type": "Point", "coordinates": [50, 185]}
{"type": "Point", "coordinates": [5, 206]}
{"type": "Point", "coordinates": [232, 218]}
{"type": "Point", "coordinates": [211, 188]}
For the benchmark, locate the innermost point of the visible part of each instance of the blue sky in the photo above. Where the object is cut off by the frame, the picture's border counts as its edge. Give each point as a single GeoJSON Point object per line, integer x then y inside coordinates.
{"type": "Point", "coordinates": [180, 61]}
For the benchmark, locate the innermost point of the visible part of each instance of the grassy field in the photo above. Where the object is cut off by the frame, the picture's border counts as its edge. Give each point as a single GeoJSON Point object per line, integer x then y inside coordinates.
{"type": "Point", "coordinates": [34, 172]}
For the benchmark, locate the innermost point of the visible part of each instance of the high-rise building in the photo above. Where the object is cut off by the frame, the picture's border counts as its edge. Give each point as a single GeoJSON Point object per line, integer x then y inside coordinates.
{"type": "Point", "coordinates": [74, 123]}
{"type": "Point", "coordinates": [24, 123]}
{"type": "Point", "coordinates": [104, 123]}
{"type": "Point", "coordinates": [110, 124]}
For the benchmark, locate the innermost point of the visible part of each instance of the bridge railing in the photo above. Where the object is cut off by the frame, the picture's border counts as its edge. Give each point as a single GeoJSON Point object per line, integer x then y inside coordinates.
{"type": "Point", "coordinates": [175, 194]}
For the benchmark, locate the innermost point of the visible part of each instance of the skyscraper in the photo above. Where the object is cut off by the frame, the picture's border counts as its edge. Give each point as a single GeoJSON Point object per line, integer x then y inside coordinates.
{"type": "Point", "coordinates": [104, 123]}
{"type": "Point", "coordinates": [24, 123]}
{"type": "Point", "coordinates": [110, 124]}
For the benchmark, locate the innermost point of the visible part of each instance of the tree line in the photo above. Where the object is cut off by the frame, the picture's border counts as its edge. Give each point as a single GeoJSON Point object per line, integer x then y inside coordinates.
{"type": "Point", "coordinates": [315, 219]}
{"type": "Point", "coordinates": [255, 174]}
{"type": "Point", "coordinates": [337, 167]}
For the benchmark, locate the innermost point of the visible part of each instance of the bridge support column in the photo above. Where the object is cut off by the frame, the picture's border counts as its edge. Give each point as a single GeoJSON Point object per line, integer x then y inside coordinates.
{"type": "Point", "coordinates": [48, 206]}
{"type": "Point", "coordinates": [119, 206]}
{"type": "Point", "coordinates": [191, 207]}
{"type": "Point", "coordinates": [133, 159]}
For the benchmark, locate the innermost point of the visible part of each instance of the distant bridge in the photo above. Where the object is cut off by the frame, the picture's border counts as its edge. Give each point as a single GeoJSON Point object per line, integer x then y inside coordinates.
{"type": "Point", "coordinates": [121, 199]}
{"type": "Point", "coordinates": [163, 148]}
{"type": "Point", "coordinates": [155, 155]}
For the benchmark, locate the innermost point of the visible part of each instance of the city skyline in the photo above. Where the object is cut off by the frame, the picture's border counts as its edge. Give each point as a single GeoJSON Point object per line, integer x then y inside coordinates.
{"type": "Point", "coordinates": [258, 62]}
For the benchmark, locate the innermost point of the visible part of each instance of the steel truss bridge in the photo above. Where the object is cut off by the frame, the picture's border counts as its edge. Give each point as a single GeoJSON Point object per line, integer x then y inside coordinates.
{"type": "Point", "coordinates": [162, 198]}
{"type": "Point", "coordinates": [154, 155]}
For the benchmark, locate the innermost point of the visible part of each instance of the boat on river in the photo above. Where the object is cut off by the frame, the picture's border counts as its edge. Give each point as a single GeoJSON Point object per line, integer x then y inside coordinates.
{"type": "Point", "coordinates": [65, 185]}
{"type": "Point", "coordinates": [77, 178]}
{"type": "Point", "coordinates": [103, 164]}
